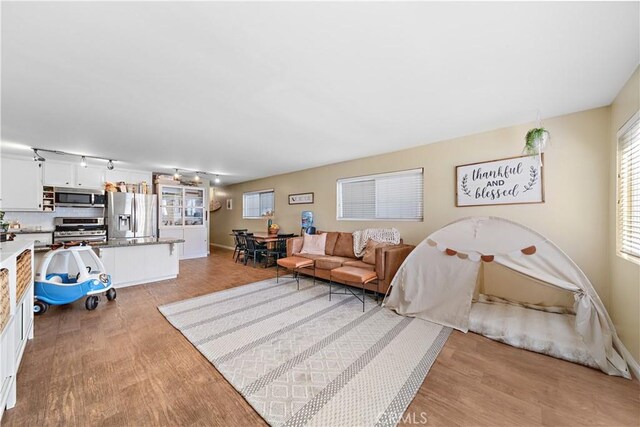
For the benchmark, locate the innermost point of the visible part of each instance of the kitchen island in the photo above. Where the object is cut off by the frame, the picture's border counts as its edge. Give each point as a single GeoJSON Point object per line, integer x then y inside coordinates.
{"type": "Point", "coordinates": [137, 261]}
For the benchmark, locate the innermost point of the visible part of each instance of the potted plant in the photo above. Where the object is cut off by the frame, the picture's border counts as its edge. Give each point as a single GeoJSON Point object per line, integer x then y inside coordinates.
{"type": "Point", "coordinates": [535, 141]}
{"type": "Point", "coordinates": [3, 224]}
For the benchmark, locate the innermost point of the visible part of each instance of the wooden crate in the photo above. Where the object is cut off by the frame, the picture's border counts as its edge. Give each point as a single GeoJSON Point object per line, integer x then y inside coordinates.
{"type": "Point", "coordinates": [24, 274]}
{"type": "Point", "coordinates": [5, 299]}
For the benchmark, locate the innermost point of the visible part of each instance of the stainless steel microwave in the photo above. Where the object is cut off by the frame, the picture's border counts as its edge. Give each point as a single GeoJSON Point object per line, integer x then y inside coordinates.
{"type": "Point", "coordinates": [79, 197]}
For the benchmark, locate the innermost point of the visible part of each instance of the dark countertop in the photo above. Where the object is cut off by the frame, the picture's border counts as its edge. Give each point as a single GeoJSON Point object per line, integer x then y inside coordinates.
{"type": "Point", "coordinates": [121, 243]}
{"type": "Point", "coordinates": [28, 231]}
{"type": "Point", "coordinates": [118, 243]}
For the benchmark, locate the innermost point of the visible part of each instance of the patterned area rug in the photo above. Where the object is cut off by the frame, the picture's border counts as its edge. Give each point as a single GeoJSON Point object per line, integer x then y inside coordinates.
{"type": "Point", "coordinates": [300, 359]}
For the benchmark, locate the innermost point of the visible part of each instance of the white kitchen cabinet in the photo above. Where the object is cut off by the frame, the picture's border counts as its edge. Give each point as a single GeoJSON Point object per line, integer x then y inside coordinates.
{"type": "Point", "coordinates": [195, 242]}
{"type": "Point", "coordinates": [183, 214]}
{"type": "Point", "coordinates": [21, 181]}
{"type": "Point", "coordinates": [90, 177]}
{"type": "Point", "coordinates": [19, 326]}
{"type": "Point", "coordinates": [134, 265]}
{"type": "Point", "coordinates": [57, 174]}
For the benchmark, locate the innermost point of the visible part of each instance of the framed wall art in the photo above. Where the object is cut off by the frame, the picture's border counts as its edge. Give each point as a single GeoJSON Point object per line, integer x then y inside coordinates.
{"type": "Point", "coordinates": [514, 180]}
{"type": "Point", "coordinates": [301, 199]}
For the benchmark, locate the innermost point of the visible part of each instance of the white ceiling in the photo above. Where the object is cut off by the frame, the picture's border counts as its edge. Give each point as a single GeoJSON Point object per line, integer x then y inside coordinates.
{"type": "Point", "coordinates": [255, 89]}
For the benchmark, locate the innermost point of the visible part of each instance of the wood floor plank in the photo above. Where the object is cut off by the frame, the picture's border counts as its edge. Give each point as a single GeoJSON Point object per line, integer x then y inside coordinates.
{"type": "Point", "coordinates": [125, 365]}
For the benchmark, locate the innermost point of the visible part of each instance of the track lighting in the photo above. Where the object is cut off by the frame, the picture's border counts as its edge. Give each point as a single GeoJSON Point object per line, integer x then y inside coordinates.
{"type": "Point", "coordinates": [83, 158]}
{"type": "Point", "coordinates": [37, 157]}
{"type": "Point", "coordinates": [177, 174]}
{"type": "Point", "coordinates": [217, 180]}
{"type": "Point", "coordinates": [196, 178]}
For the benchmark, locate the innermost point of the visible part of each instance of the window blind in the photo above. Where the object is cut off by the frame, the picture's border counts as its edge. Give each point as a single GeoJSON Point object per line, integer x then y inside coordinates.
{"type": "Point", "coordinates": [629, 188]}
{"type": "Point", "coordinates": [388, 196]}
{"type": "Point", "coordinates": [257, 203]}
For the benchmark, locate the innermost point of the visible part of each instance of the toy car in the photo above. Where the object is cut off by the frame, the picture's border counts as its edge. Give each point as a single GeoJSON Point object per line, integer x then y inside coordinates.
{"type": "Point", "coordinates": [69, 273]}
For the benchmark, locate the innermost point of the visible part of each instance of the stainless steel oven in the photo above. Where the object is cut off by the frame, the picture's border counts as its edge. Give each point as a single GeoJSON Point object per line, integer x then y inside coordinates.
{"type": "Point", "coordinates": [79, 197]}
{"type": "Point", "coordinates": [79, 230]}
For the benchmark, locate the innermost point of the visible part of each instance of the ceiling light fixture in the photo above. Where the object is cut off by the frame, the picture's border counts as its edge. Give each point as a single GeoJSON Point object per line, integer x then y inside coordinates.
{"type": "Point", "coordinates": [83, 158]}
{"type": "Point", "coordinates": [37, 157]}
{"type": "Point", "coordinates": [177, 174]}
{"type": "Point", "coordinates": [217, 180]}
{"type": "Point", "coordinates": [197, 177]}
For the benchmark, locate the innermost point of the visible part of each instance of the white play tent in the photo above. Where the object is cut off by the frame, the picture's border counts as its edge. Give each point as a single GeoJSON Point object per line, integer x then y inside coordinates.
{"type": "Point", "coordinates": [451, 278]}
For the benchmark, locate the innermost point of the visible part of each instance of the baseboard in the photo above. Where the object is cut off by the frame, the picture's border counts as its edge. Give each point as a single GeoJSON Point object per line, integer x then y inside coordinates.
{"type": "Point", "coordinates": [634, 367]}
{"type": "Point", "coordinates": [217, 245]}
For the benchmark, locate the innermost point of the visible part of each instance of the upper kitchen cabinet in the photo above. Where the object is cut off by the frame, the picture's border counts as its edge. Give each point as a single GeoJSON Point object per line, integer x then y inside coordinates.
{"type": "Point", "coordinates": [90, 177]}
{"type": "Point", "coordinates": [71, 175]}
{"type": "Point", "coordinates": [58, 174]}
{"type": "Point", "coordinates": [21, 185]}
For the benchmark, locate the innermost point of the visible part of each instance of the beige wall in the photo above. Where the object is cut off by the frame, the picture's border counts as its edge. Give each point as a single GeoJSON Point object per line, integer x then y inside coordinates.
{"type": "Point", "coordinates": [575, 214]}
{"type": "Point", "coordinates": [624, 294]}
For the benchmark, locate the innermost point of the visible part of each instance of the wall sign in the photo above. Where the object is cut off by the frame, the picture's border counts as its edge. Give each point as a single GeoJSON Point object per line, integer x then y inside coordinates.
{"type": "Point", "coordinates": [300, 199]}
{"type": "Point", "coordinates": [500, 182]}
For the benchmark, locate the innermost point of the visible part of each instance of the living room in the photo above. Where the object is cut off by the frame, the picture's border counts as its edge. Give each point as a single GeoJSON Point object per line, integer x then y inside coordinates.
{"type": "Point", "coordinates": [494, 143]}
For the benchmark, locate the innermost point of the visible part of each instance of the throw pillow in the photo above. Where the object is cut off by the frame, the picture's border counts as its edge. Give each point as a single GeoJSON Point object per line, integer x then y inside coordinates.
{"type": "Point", "coordinates": [370, 251]}
{"type": "Point", "coordinates": [314, 244]}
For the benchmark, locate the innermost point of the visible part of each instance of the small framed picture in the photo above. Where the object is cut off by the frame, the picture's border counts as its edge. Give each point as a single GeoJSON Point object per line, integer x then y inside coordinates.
{"type": "Point", "coordinates": [301, 199]}
{"type": "Point", "coordinates": [229, 204]}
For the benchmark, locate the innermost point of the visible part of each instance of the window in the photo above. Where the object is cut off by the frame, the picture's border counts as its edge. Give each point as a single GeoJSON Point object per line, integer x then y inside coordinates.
{"type": "Point", "coordinates": [387, 196]}
{"type": "Point", "coordinates": [257, 203]}
{"type": "Point", "coordinates": [628, 224]}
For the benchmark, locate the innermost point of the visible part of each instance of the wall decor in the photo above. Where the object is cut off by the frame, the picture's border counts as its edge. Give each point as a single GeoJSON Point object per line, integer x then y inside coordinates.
{"type": "Point", "coordinates": [301, 199]}
{"type": "Point", "coordinates": [508, 181]}
{"type": "Point", "coordinates": [229, 204]}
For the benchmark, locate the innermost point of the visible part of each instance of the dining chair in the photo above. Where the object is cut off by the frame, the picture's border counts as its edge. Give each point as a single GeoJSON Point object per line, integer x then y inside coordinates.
{"type": "Point", "coordinates": [254, 250]}
{"type": "Point", "coordinates": [238, 246]}
{"type": "Point", "coordinates": [279, 249]}
{"type": "Point", "coordinates": [242, 245]}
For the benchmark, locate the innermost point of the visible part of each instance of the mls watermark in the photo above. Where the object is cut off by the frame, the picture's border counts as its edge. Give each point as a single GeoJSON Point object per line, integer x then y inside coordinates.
{"type": "Point", "coordinates": [406, 418]}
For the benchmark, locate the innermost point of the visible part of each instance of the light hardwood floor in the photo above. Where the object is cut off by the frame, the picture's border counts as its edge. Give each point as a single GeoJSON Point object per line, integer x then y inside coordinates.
{"type": "Point", "coordinates": [123, 364]}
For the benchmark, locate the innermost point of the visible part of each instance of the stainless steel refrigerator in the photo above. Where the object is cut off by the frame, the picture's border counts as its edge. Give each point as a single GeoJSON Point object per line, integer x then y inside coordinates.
{"type": "Point", "coordinates": [131, 215]}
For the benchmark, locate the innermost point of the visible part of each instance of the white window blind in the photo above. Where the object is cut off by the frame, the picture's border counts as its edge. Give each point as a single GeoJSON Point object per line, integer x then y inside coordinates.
{"type": "Point", "coordinates": [629, 188]}
{"type": "Point", "coordinates": [257, 203]}
{"type": "Point", "coordinates": [387, 196]}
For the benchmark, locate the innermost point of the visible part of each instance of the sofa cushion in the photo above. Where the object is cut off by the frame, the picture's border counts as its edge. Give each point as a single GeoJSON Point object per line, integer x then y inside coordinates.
{"type": "Point", "coordinates": [353, 275]}
{"type": "Point", "coordinates": [332, 238]}
{"type": "Point", "coordinates": [330, 262]}
{"type": "Point", "coordinates": [370, 251]}
{"type": "Point", "coordinates": [314, 244]}
{"type": "Point", "coordinates": [308, 256]}
{"type": "Point", "coordinates": [344, 246]}
{"type": "Point", "coordinates": [359, 264]}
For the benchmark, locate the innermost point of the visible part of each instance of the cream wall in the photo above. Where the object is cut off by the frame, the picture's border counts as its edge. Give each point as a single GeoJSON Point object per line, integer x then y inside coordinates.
{"type": "Point", "coordinates": [576, 174]}
{"type": "Point", "coordinates": [624, 295]}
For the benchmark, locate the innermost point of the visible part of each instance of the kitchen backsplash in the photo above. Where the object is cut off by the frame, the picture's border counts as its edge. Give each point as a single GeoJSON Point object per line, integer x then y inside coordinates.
{"type": "Point", "coordinates": [45, 219]}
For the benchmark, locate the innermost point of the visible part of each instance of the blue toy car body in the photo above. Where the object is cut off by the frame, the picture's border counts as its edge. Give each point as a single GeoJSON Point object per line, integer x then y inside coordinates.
{"type": "Point", "coordinates": [55, 285]}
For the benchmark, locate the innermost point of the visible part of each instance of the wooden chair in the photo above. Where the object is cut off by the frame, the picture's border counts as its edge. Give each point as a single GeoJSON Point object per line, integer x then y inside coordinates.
{"type": "Point", "coordinates": [239, 245]}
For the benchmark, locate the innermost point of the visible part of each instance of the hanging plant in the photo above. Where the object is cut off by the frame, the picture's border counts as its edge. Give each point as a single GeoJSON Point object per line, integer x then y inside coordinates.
{"type": "Point", "coordinates": [535, 141]}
